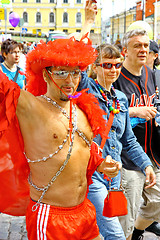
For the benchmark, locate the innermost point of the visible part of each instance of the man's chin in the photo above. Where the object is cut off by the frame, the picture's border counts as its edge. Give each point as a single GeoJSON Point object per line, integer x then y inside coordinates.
{"type": "Point", "coordinates": [64, 99]}
{"type": "Point", "coordinates": [142, 63]}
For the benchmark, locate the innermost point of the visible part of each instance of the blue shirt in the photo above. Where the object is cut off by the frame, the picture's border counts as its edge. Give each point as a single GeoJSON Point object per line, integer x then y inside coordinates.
{"type": "Point", "coordinates": [20, 78]}
{"type": "Point", "coordinates": [121, 134]}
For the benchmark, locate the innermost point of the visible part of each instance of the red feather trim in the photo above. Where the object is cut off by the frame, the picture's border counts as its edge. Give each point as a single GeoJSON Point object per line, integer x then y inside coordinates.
{"type": "Point", "coordinates": [61, 52]}
{"type": "Point", "coordinates": [88, 103]}
{"type": "Point", "coordinates": [9, 93]}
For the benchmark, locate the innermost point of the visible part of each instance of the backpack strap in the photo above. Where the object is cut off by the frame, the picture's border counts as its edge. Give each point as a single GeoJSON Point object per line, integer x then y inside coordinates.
{"type": "Point", "coordinates": [16, 75]}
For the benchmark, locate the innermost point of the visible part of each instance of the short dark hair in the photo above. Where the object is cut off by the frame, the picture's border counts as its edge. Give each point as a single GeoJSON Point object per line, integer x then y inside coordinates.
{"type": "Point", "coordinates": [9, 45]}
{"type": "Point", "coordinates": [107, 51]}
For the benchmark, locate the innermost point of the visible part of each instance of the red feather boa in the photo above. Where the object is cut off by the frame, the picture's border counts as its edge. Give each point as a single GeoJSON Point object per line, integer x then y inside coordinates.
{"type": "Point", "coordinates": [89, 104]}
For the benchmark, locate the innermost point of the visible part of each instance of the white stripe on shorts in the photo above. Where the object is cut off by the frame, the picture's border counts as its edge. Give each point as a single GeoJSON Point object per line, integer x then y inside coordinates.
{"type": "Point", "coordinates": [42, 220]}
{"type": "Point", "coordinates": [38, 220]}
{"type": "Point", "coordinates": [45, 222]}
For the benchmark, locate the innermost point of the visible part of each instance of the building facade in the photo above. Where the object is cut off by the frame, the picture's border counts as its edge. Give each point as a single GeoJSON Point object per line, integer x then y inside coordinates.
{"type": "Point", "coordinates": [120, 22]}
{"type": "Point", "coordinates": [40, 17]}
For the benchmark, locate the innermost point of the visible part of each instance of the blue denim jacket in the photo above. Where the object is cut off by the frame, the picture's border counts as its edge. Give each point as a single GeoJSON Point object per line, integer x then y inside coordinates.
{"type": "Point", "coordinates": [121, 134]}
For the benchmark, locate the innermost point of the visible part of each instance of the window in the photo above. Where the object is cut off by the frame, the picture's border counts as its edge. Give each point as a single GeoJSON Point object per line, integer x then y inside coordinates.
{"type": "Point", "coordinates": [38, 1]}
{"type": "Point", "coordinates": [65, 1]}
{"type": "Point", "coordinates": [92, 31]}
{"type": "Point", "coordinates": [51, 17]}
{"type": "Point", "coordinates": [65, 17]}
{"type": "Point", "coordinates": [65, 30]}
{"type": "Point", "coordinates": [24, 1]}
{"type": "Point", "coordinates": [134, 17]}
{"type": "Point", "coordinates": [25, 17]}
{"type": "Point", "coordinates": [51, 1]}
{"type": "Point", "coordinates": [78, 17]}
{"type": "Point", "coordinates": [38, 17]}
{"type": "Point", "coordinates": [78, 1]}
{"type": "Point", "coordinates": [78, 30]}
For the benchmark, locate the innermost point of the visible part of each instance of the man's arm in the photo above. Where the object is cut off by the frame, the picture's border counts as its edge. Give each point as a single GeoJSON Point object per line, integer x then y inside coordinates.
{"type": "Point", "coordinates": [90, 14]}
{"type": "Point", "coordinates": [143, 112]}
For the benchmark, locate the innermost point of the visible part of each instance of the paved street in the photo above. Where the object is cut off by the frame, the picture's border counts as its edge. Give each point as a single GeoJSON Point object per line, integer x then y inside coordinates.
{"type": "Point", "coordinates": [13, 228]}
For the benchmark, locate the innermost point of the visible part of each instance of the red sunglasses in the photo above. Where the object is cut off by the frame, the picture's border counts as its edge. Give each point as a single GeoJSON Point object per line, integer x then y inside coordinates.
{"type": "Point", "coordinates": [110, 65]}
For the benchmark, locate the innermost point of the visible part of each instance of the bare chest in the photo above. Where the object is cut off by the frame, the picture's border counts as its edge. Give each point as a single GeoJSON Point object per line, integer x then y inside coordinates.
{"type": "Point", "coordinates": [49, 132]}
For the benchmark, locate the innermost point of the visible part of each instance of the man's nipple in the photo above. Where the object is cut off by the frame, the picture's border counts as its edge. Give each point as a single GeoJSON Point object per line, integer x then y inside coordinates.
{"type": "Point", "coordinates": [55, 136]}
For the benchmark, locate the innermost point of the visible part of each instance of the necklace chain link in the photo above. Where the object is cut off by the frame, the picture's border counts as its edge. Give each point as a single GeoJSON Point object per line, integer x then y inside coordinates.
{"type": "Point", "coordinates": [75, 129]}
{"type": "Point", "coordinates": [44, 159]}
{"type": "Point", "coordinates": [80, 133]}
{"type": "Point", "coordinates": [45, 188]}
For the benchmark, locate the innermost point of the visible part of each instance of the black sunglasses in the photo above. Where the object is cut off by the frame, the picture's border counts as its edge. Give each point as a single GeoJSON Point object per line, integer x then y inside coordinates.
{"type": "Point", "coordinates": [109, 65]}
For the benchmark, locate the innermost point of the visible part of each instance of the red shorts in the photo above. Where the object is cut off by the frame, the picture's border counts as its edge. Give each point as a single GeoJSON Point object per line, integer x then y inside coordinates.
{"type": "Point", "coordinates": [58, 223]}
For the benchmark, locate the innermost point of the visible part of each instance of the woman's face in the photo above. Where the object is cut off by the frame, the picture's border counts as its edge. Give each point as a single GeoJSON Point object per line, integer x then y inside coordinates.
{"type": "Point", "coordinates": [107, 76]}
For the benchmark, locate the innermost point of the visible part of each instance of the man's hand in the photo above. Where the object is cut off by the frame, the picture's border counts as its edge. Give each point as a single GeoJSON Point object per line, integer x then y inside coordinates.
{"type": "Point", "coordinates": [143, 112]}
{"type": "Point", "coordinates": [109, 167]}
{"type": "Point", "coordinates": [150, 177]}
{"type": "Point", "coordinates": [90, 15]}
{"type": "Point", "coordinates": [90, 11]}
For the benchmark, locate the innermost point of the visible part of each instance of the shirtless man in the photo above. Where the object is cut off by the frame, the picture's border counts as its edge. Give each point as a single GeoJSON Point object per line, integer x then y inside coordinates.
{"type": "Point", "coordinates": [57, 137]}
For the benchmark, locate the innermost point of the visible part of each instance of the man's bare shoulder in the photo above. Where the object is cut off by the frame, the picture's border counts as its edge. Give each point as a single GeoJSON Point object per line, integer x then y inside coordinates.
{"type": "Point", "coordinates": [28, 105]}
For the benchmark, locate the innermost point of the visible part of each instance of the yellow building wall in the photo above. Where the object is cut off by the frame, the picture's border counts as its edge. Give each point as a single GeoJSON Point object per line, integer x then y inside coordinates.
{"type": "Point", "coordinates": [45, 9]}
{"type": "Point", "coordinates": [118, 22]}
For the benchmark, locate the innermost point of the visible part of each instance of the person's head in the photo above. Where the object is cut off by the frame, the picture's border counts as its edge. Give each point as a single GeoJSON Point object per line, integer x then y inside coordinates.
{"type": "Point", "coordinates": [56, 66]}
{"type": "Point", "coordinates": [153, 60]}
{"type": "Point", "coordinates": [136, 47]}
{"type": "Point", "coordinates": [65, 79]}
{"type": "Point", "coordinates": [107, 65]}
{"type": "Point", "coordinates": [11, 51]}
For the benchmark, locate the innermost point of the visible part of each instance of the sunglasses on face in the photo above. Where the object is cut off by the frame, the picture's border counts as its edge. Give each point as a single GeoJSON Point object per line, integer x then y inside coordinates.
{"type": "Point", "coordinates": [109, 65]}
{"type": "Point", "coordinates": [64, 74]}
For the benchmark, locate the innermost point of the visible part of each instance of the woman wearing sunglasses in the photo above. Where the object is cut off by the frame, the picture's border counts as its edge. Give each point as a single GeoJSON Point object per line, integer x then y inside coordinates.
{"type": "Point", "coordinates": [107, 68]}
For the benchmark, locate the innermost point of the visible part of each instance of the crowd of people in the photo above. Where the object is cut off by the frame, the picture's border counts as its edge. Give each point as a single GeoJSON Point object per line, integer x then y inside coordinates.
{"type": "Point", "coordinates": [66, 135]}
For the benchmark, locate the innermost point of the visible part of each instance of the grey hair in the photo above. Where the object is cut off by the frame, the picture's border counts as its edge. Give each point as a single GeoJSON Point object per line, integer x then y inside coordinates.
{"type": "Point", "coordinates": [133, 33]}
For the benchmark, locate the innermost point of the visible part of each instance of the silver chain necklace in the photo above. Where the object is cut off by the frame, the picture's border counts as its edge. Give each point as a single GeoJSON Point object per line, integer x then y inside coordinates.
{"type": "Point", "coordinates": [60, 146]}
{"type": "Point", "coordinates": [75, 129]}
{"type": "Point", "coordinates": [45, 188]}
{"type": "Point", "coordinates": [44, 159]}
{"type": "Point", "coordinates": [80, 133]}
